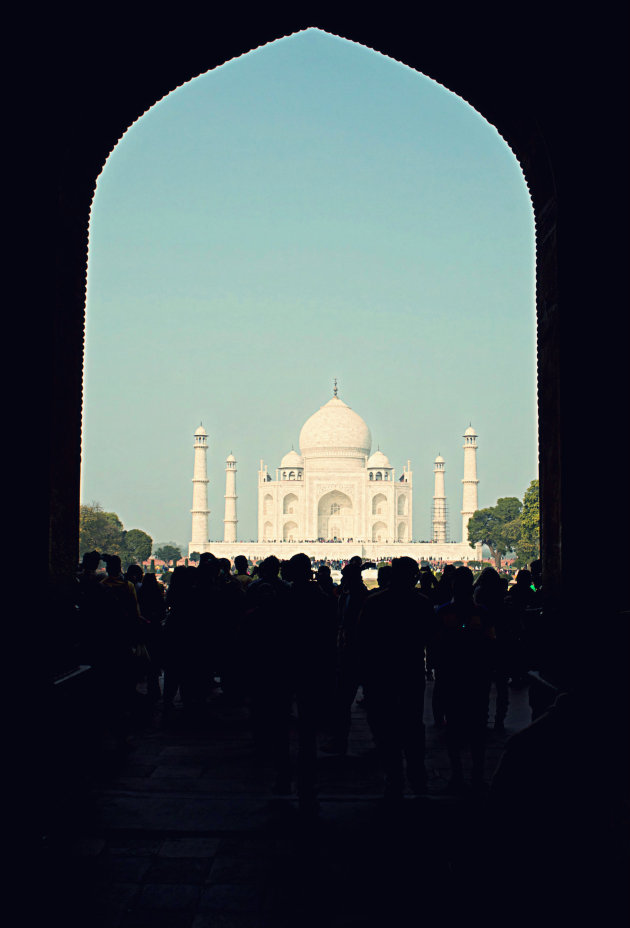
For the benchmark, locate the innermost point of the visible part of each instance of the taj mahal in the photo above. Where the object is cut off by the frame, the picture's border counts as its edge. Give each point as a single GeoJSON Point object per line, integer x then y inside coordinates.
{"type": "Point", "coordinates": [335, 498]}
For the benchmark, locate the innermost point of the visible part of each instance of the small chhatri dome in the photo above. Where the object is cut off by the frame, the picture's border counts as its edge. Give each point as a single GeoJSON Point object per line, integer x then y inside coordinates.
{"type": "Point", "coordinates": [470, 431]}
{"type": "Point", "coordinates": [200, 431]}
{"type": "Point", "coordinates": [439, 459]}
{"type": "Point", "coordinates": [292, 459]}
{"type": "Point", "coordinates": [230, 459]}
{"type": "Point", "coordinates": [379, 459]}
{"type": "Point", "coordinates": [335, 427]}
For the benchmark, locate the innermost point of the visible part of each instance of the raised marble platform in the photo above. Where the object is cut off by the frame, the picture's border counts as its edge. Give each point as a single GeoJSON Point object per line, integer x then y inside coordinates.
{"type": "Point", "coordinates": [333, 551]}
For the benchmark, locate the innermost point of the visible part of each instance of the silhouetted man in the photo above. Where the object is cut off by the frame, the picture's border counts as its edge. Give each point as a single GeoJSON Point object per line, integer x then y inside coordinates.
{"type": "Point", "coordinates": [392, 633]}
{"type": "Point", "coordinates": [352, 596]}
{"type": "Point", "coordinates": [308, 641]}
{"type": "Point", "coordinates": [240, 570]}
{"type": "Point", "coordinates": [462, 651]}
{"type": "Point", "coordinates": [267, 656]}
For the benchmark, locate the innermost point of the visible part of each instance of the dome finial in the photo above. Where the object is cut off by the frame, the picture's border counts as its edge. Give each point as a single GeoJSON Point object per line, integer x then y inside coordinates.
{"type": "Point", "coordinates": [335, 388]}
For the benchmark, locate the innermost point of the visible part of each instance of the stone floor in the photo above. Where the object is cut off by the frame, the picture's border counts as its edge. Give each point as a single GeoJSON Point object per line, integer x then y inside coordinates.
{"type": "Point", "coordinates": [183, 831]}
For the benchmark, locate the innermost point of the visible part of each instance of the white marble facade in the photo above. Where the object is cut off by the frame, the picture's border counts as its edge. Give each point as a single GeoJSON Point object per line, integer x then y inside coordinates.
{"type": "Point", "coordinates": [334, 498]}
{"type": "Point", "coordinates": [335, 489]}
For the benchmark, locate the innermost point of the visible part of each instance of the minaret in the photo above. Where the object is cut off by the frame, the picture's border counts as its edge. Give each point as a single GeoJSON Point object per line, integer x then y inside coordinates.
{"type": "Point", "coordinates": [229, 523]}
{"type": "Point", "coordinates": [439, 502]}
{"type": "Point", "coordinates": [469, 496]}
{"type": "Point", "coordinates": [200, 511]}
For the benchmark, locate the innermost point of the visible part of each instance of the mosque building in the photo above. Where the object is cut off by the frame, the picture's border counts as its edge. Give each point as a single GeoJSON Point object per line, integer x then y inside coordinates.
{"type": "Point", "coordinates": [335, 490]}
{"type": "Point", "coordinates": [334, 498]}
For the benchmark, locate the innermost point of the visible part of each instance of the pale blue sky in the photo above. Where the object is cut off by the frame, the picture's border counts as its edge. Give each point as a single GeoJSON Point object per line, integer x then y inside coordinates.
{"type": "Point", "coordinates": [309, 210]}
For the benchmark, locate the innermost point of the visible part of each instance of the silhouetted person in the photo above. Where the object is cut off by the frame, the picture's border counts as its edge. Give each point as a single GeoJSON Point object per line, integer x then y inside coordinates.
{"type": "Point", "coordinates": [522, 591]}
{"type": "Point", "coordinates": [89, 599]}
{"type": "Point", "coordinates": [181, 639]}
{"type": "Point", "coordinates": [228, 608]}
{"type": "Point", "coordinates": [134, 574]}
{"type": "Point", "coordinates": [392, 633]}
{"type": "Point", "coordinates": [352, 596]}
{"type": "Point", "coordinates": [153, 609]}
{"type": "Point", "coordinates": [266, 657]}
{"type": "Point", "coordinates": [89, 565]}
{"type": "Point", "coordinates": [124, 635]}
{"type": "Point", "coordinates": [521, 603]}
{"type": "Point", "coordinates": [444, 586]}
{"type": "Point", "coordinates": [462, 653]}
{"type": "Point", "coordinates": [325, 581]}
{"type": "Point", "coordinates": [210, 621]}
{"type": "Point", "coordinates": [303, 679]}
{"type": "Point", "coordinates": [428, 584]}
{"type": "Point", "coordinates": [384, 577]}
{"type": "Point", "coordinates": [489, 591]}
{"type": "Point", "coordinates": [536, 572]}
{"type": "Point", "coordinates": [240, 570]}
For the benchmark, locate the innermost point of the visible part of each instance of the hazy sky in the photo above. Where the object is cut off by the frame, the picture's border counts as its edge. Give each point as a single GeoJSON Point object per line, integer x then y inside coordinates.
{"type": "Point", "coordinates": [310, 210]}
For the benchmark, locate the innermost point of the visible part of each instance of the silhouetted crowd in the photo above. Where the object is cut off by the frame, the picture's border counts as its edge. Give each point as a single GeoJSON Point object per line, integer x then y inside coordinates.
{"type": "Point", "coordinates": [291, 652]}
{"type": "Point", "coordinates": [282, 638]}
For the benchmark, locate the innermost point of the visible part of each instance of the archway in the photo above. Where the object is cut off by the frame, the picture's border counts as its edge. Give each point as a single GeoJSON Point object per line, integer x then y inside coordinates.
{"type": "Point", "coordinates": [334, 516]}
{"type": "Point", "coordinates": [351, 304]}
{"type": "Point", "coordinates": [379, 504]}
{"type": "Point", "coordinates": [289, 504]}
{"type": "Point", "coordinates": [379, 532]}
{"type": "Point", "coordinates": [131, 90]}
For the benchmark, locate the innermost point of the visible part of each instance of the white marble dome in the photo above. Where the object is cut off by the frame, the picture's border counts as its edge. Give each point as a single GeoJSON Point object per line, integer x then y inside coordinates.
{"type": "Point", "coordinates": [470, 431]}
{"type": "Point", "coordinates": [200, 431]}
{"type": "Point", "coordinates": [439, 460]}
{"type": "Point", "coordinates": [335, 427]}
{"type": "Point", "coordinates": [379, 459]}
{"type": "Point", "coordinates": [292, 459]}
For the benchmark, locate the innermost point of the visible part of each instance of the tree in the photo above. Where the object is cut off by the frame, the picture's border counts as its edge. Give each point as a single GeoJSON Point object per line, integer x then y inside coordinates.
{"type": "Point", "coordinates": [99, 530]}
{"type": "Point", "coordinates": [103, 531]}
{"type": "Point", "coordinates": [528, 545]}
{"type": "Point", "coordinates": [168, 552]}
{"type": "Point", "coordinates": [498, 527]}
{"type": "Point", "coordinates": [137, 546]}
{"type": "Point", "coordinates": [195, 557]}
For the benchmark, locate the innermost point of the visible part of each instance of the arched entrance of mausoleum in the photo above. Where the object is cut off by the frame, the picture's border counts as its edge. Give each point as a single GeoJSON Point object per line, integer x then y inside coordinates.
{"type": "Point", "coordinates": [335, 518]}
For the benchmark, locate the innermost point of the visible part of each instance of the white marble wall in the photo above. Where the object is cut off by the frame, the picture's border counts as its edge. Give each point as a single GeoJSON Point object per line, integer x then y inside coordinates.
{"type": "Point", "coordinates": [342, 503]}
{"type": "Point", "coordinates": [450, 551]}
